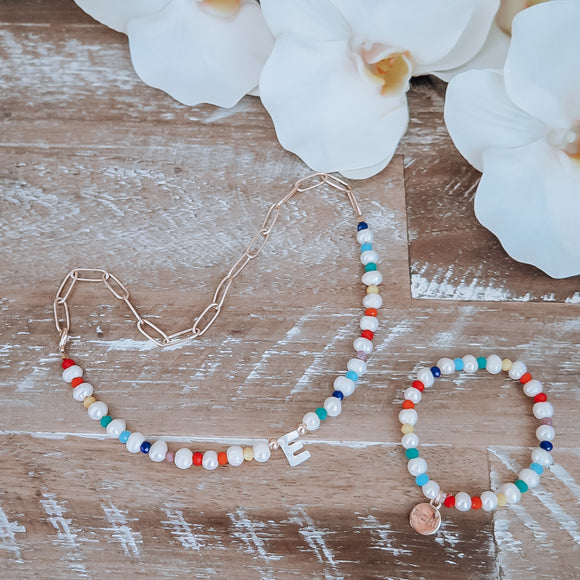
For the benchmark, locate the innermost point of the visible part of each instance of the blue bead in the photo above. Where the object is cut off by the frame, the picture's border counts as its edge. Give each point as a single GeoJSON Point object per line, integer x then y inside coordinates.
{"type": "Point", "coordinates": [362, 226]}
{"type": "Point", "coordinates": [366, 247]}
{"type": "Point", "coordinates": [145, 446]}
{"type": "Point", "coordinates": [124, 436]}
{"type": "Point", "coordinates": [458, 364]}
{"type": "Point", "coordinates": [351, 375]}
{"type": "Point", "coordinates": [546, 445]}
{"type": "Point", "coordinates": [339, 395]}
{"type": "Point", "coordinates": [537, 468]}
{"type": "Point", "coordinates": [422, 479]}
{"type": "Point", "coordinates": [436, 371]}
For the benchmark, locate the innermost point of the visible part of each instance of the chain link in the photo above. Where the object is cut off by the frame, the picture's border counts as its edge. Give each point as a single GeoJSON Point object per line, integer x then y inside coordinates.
{"type": "Point", "coordinates": [209, 314]}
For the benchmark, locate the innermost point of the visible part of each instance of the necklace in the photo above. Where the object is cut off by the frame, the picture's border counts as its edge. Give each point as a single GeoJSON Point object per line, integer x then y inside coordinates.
{"type": "Point", "coordinates": [343, 386]}
{"type": "Point", "coordinates": [425, 518]}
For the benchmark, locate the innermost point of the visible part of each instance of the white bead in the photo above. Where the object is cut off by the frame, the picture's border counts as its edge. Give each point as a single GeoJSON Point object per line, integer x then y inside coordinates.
{"type": "Point", "coordinates": [511, 492]}
{"type": "Point", "coordinates": [116, 427]}
{"type": "Point", "coordinates": [363, 344]}
{"type": "Point", "coordinates": [134, 442]}
{"type": "Point", "coordinates": [463, 501]}
{"type": "Point", "coordinates": [488, 501]}
{"type": "Point", "coordinates": [408, 416]}
{"type": "Point", "coordinates": [369, 256]}
{"type": "Point", "coordinates": [311, 420]}
{"type": "Point", "coordinates": [82, 391]}
{"type": "Point", "coordinates": [542, 410]}
{"type": "Point", "coordinates": [410, 441]}
{"type": "Point", "coordinates": [493, 365]}
{"type": "Point", "coordinates": [446, 366]}
{"type": "Point", "coordinates": [184, 458]}
{"type": "Point", "coordinates": [235, 455]}
{"type": "Point", "coordinates": [158, 451]}
{"type": "Point", "coordinates": [373, 278]}
{"type": "Point", "coordinates": [417, 466]}
{"type": "Point", "coordinates": [357, 366]}
{"type": "Point", "coordinates": [71, 373]}
{"type": "Point", "coordinates": [412, 394]}
{"type": "Point", "coordinates": [333, 406]}
{"type": "Point", "coordinates": [542, 457]}
{"type": "Point", "coordinates": [369, 323]}
{"type": "Point", "coordinates": [345, 385]}
{"type": "Point", "coordinates": [372, 301]}
{"type": "Point", "coordinates": [545, 433]}
{"type": "Point", "coordinates": [431, 489]}
{"type": "Point", "coordinates": [426, 377]}
{"type": "Point", "coordinates": [529, 477]}
{"type": "Point", "coordinates": [209, 461]}
{"type": "Point", "coordinates": [261, 451]}
{"type": "Point", "coordinates": [364, 236]}
{"type": "Point", "coordinates": [533, 388]}
{"type": "Point", "coordinates": [517, 370]}
{"type": "Point", "coordinates": [97, 410]}
{"type": "Point", "coordinates": [470, 364]}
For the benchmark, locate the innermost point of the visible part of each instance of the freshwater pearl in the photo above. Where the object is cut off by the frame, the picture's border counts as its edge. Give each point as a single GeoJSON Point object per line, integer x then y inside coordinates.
{"type": "Point", "coordinates": [363, 345]}
{"type": "Point", "coordinates": [529, 477]}
{"type": "Point", "coordinates": [431, 489]}
{"type": "Point", "coordinates": [369, 323]}
{"type": "Point", "coordinates": [97, 410]}
{"type": "Point", "coordinates": [261, 451]}
{"type": "Point", "coordinates": [517, 370]}
{"type": "Point", "coordinates": [158, 451]}
{"type": "Point", "coordinates": [235, 455]}
{"type": "Point", "coordinates": [408, 416]}
{"type": "Point", "coordinates": [493, 365]}
{"type": "Point", "coordinates": [545, 433]}
{"type": "Point", "coordinates": [542, 410]}
{"type": "Point", "coordinates": [417, 466]}
{"type": "Point", "coordinates": [469, 364]}
{"type": "Point", "coordinates": [533, 388]}
{"type": "Point", "coordinates": [410, 441]}
{"type": "Point", "coordinates": [542, 457]}
{"type": "Point", "coordinates": [511, 491]}
{"type": "Point", "coordinates": [412, 394]}
{"type": "Point", "coordinates": [209, 461]}
{"type": "Point", "coordinates": [333, 406]}
{"type": "Point", "coordinates": [368, 257]}
{"type": "Point", "coordinates": [446, 366]}
{"type": "Point", "coordinates": [373, 278]}
{"type": "Point", "coordinates": [133, 444]}
{"type": "Point", "coordinates": [372, 301]}
{"type": "Point", "coordinates": [364, 236]}
{"type": "Point", "coordinates": [488, 500]}
{"type": "Point", "coordinates": [82, 391]}
{"type": "Point", "coordinates": [311, 420]}
{"type": "Point", "coordinates": [71, 373]}
{"type": "Point", "coordinates": [116, 427]}
{"type": "Point", "coordinates": [463, 501]}
{"type": "Point", "coordinates": [357, 366]}
{"type": "Point", "coordinates": [344, 384]}
{"type": "Point", "coordinates": [426, 377]}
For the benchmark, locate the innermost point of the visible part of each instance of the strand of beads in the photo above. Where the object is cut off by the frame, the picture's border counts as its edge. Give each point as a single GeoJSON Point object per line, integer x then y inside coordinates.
{"type": "Point", "coordinates": [528, 478]}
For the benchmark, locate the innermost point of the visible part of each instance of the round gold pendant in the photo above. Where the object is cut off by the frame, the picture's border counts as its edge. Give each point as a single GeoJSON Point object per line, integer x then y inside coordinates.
{"type": "Point", "coordinates": [425, 519]}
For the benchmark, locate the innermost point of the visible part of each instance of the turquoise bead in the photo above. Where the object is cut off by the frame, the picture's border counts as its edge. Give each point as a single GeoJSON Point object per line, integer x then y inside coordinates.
{"type": "Point", "coordinates": [106, 420]}
{"type": "Point", "coordinates": [412, 452]}
{"type": "Point", "coordinates": [322, 413]}
{"type": "Point", "coordinates": [351, 375]}
{"type": "Point", "coordinates": [366, 247]}
{"type": "Point", "coordinates": [458, 364]}
{"type": "Point", "coordinates": [537, 468]}
{"type": "Point", "coordinates": [422, 479]}
{"type": "Point", "coordinates": [481, 362]}
{"type": "Point", "coordinates": [124, 436]}
{"type": "Point", "coordinates": [370, 267]}
{"type": "Point", "coordinates": [521, 485]}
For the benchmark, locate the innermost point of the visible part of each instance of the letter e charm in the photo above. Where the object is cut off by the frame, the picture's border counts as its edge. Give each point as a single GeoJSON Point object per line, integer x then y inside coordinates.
{"type": "Point", "coordinates": [290, 444]}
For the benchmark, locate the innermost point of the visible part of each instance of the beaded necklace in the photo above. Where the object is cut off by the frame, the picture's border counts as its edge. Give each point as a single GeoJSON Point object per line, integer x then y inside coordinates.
{"type": "Point", "coordinates": [157, 450]}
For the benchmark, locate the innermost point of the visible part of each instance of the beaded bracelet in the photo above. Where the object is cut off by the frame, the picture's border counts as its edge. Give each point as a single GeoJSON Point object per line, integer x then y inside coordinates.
{"type": "Point", "coordinates": [425, 518]}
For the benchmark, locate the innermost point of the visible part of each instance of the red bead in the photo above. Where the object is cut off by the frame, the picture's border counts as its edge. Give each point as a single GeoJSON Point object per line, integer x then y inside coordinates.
{"type": "Point", "coordinates": [449, 501]}
{"type": "Point", "coordinates": [197, 458]}
{"type": "Point", "coordinates": [222, 458]}
{"type": "Point", "coordinates": [76, 382]}
{"type": "Point", "coordinates": [475, 503]}
{"type": "Point", "coordinates": [525, 378]}
{"type": "Point", "coordinates": [367, 334]}
{"type": "Point", "coordinates": [418, 385]}
{"type": "Point", "coordinates": [408, 405]}
{"type": "Point", "coordinates": [540, 398]}
{"type": "Point", "coordinates": [371, 312]}
{"type": "Point", "coordinates": [67, 362]}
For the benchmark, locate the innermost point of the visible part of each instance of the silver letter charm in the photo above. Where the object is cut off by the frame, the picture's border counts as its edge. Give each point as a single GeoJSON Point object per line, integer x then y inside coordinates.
{"type": "Point", "coordinates": [290, 444]}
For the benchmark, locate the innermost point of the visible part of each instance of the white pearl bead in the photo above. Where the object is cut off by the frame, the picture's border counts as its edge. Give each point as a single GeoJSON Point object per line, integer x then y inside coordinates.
{"type": "Point", "coordinates": [357, 366]}
{"type": "Point", "coordinates": [311, 420]}
{"type": "Point", "coordinates": [261, 451]}
{"type": "Point", "coordinates": [511, 492]}
{"type": "Point", "coordinates": [364, 236]}
{"type": "Point", "coordinates": [426, 377]}
{"type": "Point", "coordinates": [116, 427]}
{"type": "Point", "coordinates": [372, 301]}
{"type": "Point", "coordinates": [533, 388]}
{"type": "Point", "coordinates": [446, 366]}
{"type": "Point", "coordinates": [529, 477]}
{"type": "Point", "coordinates": [410, 440]}
{"type": "Point", "coordinates": [431, 489]}
{"type": "Point", "coordinates": [183, 458]}
{"type": "Point", "coordinates": [97, 410]}
{"type": "Point", "coordinates": [369, 323]}
{"type": "Point", "coordinates": [517, 370]}
{"type": "Point", "coordinates": [345, 385]}
{"type": "Point", "coordinates": [463, 501]}
{"type": "Point", "coordinates": [545, 433]}
{"type": "Point", "coordinates": [408, 416]}
{"type": "Point", "coordinates": [493, 365]}
{"type": "Point", "coordinates": [71, 373]}
{"type": "Point", "coordinates": [542, 410]}
{"type": "Point", "coordinates": [158, 451]}
{"type": "Point", "coordinates": [412, 394]}
{"type": "Point", "coordinates": [363, 344]}
{"type": "Point", "coordinates": [542, 457]}
{"type": "Point", "coordinates": [82, 391]}
{"type": "Point", "coordinates": [134, 442]}
{"type": "Point", "coordinates": [209, 461]}
{"type": "Point", "coordinates": [333, 406]}
{"type": "Point", "coordinates": [470, 364]}
{"type": "Point", "coordinates": [235, 455]}
{"type": "Point", "coordinates": [373, 278]}
{"type": "Point", "coordinates": [369, 256]}
{"type": "Point", "coordinates": [417, 466]}
{"type": "Point", "coordinates": [488, 501]}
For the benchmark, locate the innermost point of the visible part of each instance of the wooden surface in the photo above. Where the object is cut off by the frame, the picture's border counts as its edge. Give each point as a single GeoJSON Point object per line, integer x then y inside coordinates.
{"type": "Point", "coordinates": [98, 170]}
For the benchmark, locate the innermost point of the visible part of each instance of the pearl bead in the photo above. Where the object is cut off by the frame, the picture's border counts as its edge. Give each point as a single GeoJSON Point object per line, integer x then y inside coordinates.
{"type": "Point", "coordinates": [372, 301]}
{"type": "Point", "coordinates": [545, 433]}
{"type": "Point", "coordinates": [261, 451]}
{"type": "Point", "coordinates": [417, 466]}
{"type": "Point", "coordinates": [364, 236]}
{"type": "Point", "coordinates": [370, 256]}
{"type": "Point", "coordinates": [235, 455]}
{"type": "Point", "coordinates": [82, 391]}
{"type": "Point", "coordinates": [410, 441]}
{"type": "Point", "coordinates": [446, 366]}
{"type": "Point", "coordinates": [311, 421]}
{"type": "Point", "coordinates": [469, 364]}
{"type": "Point", "coordinates": [542, 410]}
{"type": "Point", "coordinates": [333, 406]}
{"type": "Point", "coordinates": [533, 388]}
{"type": "Point", "coordinates": [71, 373]}
{"type": "Point", "coordinates": [116, 427]}
{"type": "Point", "coordinates": [488, 500]}
{"type": "Point", "coordinates": [493, 366]}
{"type": "Point", "coordinates": [408, 416]}
{"type": "Point", "coordinates": [369, 323]}
{"type": "Point", "coordinates": [97, 410]}
{"type": "Point", "coordinates": [542, 457]}
{"type": "Point", "coordinates": [412, 394]}
{"type": "Point", "coordinates": [358, 366]}
{"type": "Point", "coordinates": [517, 370]}
{"type": "Point", "coordinates": [209, 461]}
{"type": "Point", "coordinates": [426, 377]}
{"type": "Point", "coordinates": [529, 477]}
{"type": "Point", "coordinates": [463, 501]}
{"type": "Point", "coordinates": [511, 491]}
{"type": "Point", "coordinates": [373, 278]}
{"type": "Point", "coordinates": [183, 458]}
{"type": "Point", "coordinates": [133, 444]}
{"type": "Point", "coordinates": [347, 386]}
{"type": "Point", "coordinates": [431, 489]}
{"type": "Point", "coordinates": [363, 345]}
{"type": "Point", "coordinates": [158, 451]}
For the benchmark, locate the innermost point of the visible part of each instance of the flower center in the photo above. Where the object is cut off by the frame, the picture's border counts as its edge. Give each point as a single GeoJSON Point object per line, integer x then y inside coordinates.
{"type": "Point", "coordinates": [392, 72]}
{"type": "Point", "coordinates": [221, 8]}
{"type": "Point", "coordinates": [567, 140]}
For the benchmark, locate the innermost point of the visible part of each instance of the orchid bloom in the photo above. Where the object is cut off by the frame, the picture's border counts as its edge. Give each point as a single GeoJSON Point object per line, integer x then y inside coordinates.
{"type": "Point", "coordinates": [335, 84]}
{"type": "Point", "coordinates": [198, 51]}
{"type": "Point", "coordinates": [522, 129]}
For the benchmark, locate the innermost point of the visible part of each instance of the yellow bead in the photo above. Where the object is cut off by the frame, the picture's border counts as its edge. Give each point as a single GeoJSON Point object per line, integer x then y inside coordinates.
{"type": "Point", "coordinates": [248, 453]}
{"type": "Point", "coordinates": [407, 428]}
{"type": "Point", "coordinates": [501, 500]}
{"type": "Point", "coordinates": [372, 289]}
{"type": "Point", "coordinates": [88, 401]}
{"type": "Point", "coordinates": [506, 364]}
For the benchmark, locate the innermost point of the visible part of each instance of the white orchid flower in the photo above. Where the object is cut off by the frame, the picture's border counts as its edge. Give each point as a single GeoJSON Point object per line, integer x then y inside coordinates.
{"type": "Point", "coordinates": [335, 84]}
{"type": "Point", "coordinates": [522, 129]}
{"type": "Point", "coordinates": [198, 51]}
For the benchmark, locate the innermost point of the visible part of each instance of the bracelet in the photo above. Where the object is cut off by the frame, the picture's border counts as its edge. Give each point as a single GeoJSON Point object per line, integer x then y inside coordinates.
{"type": "Point", "coordinates": [425, 518]}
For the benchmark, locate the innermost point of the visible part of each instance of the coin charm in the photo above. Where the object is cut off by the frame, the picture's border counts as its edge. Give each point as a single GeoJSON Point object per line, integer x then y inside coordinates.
{"type": "Point", "coordinates": [425, 519]}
